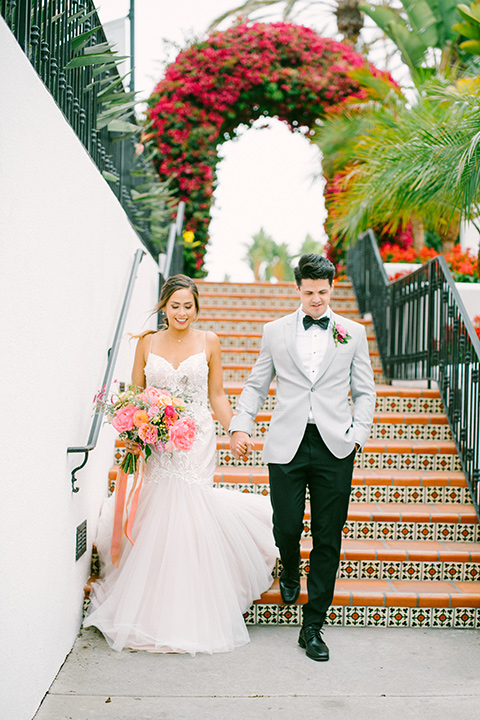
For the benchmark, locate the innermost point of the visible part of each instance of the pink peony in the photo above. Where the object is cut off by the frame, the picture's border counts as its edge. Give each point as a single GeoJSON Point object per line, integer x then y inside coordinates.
{"type": "Point", "coordinates": [153, 410]}
{"type": "Point", "coordinates": [342, 333]}
{"type": "Point", "coordinates": [148, 433]}
{"type": "Point", "coordinates": [182, 433]}
{"type": "Point", "coordinates": [153, 395]}
{"type": "Point", "coordinates": [123, 419]}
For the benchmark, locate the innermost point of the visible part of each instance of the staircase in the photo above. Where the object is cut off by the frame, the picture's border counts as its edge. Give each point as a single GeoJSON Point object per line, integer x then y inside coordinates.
{"type": "Point", "coordinates": [411, 547]}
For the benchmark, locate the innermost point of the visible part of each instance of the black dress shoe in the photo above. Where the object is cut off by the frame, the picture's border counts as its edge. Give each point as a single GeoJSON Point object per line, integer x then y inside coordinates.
{"type": "Point", "coordinates": [289, 587]}
{"type": "Point", "coordinates": [311, 640]}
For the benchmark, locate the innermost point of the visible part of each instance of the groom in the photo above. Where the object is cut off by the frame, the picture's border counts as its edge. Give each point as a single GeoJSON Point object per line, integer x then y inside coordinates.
{"type": "Point", "coordinates": [318, 358]}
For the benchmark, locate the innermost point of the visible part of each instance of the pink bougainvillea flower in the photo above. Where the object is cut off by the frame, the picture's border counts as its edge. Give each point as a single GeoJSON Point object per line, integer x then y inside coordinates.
{"type": "Point", "coordinates": [233, 77]}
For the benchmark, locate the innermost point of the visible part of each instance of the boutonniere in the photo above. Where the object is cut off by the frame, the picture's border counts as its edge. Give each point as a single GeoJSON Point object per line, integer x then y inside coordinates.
{"type": "Point", "coordinates": [340, 335]}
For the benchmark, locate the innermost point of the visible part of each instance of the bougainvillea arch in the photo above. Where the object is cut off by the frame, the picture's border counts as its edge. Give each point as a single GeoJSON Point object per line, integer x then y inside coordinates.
{"type": "Point", "coordinates": [232, 78]}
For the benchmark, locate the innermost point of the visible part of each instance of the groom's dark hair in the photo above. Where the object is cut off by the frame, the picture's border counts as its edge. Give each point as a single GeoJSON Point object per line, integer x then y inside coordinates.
{"type": "Point", "coordinates": [314, 267]}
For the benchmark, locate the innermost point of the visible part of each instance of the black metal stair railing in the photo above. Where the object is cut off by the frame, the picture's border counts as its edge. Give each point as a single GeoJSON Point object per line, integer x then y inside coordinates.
{"type": "Point", "coordinates": [46, 31]}
{"type": "Point", "coordinates": [424, 333]}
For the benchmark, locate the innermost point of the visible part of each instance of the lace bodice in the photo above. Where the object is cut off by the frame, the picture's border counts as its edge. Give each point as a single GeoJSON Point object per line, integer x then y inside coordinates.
{"type": "Point", "coordinates": [189, 379]}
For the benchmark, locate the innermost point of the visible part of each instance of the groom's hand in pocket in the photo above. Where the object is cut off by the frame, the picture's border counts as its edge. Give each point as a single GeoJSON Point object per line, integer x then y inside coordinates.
{"type": "Point", "coordinates": [241, 444]}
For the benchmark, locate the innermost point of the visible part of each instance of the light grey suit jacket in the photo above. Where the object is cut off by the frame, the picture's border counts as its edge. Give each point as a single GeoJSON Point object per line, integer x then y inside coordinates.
{"type": "Point", "coordinates": [345, 369]}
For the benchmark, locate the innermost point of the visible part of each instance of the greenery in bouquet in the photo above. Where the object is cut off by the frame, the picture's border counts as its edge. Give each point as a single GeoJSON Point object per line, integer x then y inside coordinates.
{"type": "Point", "coordinates": [150, 417]}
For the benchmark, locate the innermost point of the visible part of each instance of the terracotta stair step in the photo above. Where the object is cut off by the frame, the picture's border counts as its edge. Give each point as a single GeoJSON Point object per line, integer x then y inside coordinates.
{"type": "Point", "coordinates": [241, 372]}
{"type": "Point", "coordinates": [203, 317]}
{"type": "Point", "coordinates": [261, 313]}
{"type": "Point", "coordinates": [384, 403]}
{"type": "Point", "coordinates": [253, 353]}
{"type": "Point", "coordinates": [405, 550]}
{"type": "Point", "coordinates": [381, 390]}
{"type": "Point", "coordinates": [287, 302]}
{"type": "Point", "coordinates": [223, 335]}
{"type": "Point", "coordinates": [391, 593]}
{"type": "Point", "coordinates": [218, 296]}
{"type": "Point", "coordinates": [257, 288]}
{"type": "Point", "coordinates": [385, 418]}
{"type": "Point", "coordinates": [409, 513]}
{"type": "Point", "coordinates": [386, 478]}
{"type": "Point", "coordinates": [420, 447]}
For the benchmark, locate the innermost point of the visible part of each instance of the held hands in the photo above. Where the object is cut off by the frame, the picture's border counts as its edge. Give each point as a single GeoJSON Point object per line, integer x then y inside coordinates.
{"type": "Point", "coordinates": [241, 444]}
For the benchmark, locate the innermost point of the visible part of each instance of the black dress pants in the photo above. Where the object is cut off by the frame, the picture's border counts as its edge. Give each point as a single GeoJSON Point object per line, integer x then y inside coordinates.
{"type": "Point", "coordinates": [329, 480]}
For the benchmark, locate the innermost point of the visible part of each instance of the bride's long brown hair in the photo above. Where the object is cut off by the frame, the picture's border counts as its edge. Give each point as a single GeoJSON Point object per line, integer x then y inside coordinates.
{"type": "Point", "coordinates": [174, 283]}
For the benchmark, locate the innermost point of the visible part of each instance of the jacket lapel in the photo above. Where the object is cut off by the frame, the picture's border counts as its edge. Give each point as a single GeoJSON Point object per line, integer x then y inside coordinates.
{"type": "Point", "coordinates": [330, 351]}
{"type": "Point", "coordinates": [291, 342]}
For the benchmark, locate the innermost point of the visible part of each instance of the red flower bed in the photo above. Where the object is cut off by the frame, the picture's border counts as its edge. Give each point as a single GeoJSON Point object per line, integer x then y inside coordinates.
{"type": "Point", "coordinates": [462, 263]}
{"type": "Point", "coordinates": [235, 77]}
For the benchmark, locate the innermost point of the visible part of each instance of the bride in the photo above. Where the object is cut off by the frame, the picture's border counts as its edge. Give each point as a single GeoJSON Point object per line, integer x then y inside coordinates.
{"type": "Point", "coordinates": [201, 555]}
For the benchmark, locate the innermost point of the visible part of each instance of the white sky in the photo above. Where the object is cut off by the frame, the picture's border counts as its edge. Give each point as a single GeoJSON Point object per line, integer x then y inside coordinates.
{"type": "Point", "coordinates": [266, 178]}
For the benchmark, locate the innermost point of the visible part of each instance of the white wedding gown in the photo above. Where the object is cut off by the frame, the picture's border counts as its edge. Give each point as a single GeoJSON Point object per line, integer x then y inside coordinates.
{"type": "Point", "coordinates": [201, 554]}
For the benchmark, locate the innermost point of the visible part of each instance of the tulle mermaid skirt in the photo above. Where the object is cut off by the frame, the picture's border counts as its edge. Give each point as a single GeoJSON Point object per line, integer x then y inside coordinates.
{"type": "Point", "coordinates": [201, 555]}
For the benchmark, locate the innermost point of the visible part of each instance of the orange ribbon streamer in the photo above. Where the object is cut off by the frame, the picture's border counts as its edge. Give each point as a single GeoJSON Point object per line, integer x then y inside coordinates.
{"type": "Point", "coordinates": [121, 507]}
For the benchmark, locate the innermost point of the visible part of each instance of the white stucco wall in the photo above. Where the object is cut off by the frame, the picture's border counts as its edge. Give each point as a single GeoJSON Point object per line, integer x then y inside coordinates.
{"type": "Point", "coordinates": [66, 254]}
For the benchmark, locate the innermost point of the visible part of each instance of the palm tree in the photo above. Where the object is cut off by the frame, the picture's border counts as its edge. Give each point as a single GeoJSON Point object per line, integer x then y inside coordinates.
{"type": "Point", "coordinates": [347, 13]}
{"type": "Point", "coordinates": [310, 245]}
{"type": "Point", "coordinates": [281, 265]}
{"type": "Point", "coordinates": [422, 161]}
{"type": "Point", "coordinates": [423, 33]}
{"type": "Point", "coordinates": [260, 253]}
{"type": "Point", "coordinates": [269, 259]}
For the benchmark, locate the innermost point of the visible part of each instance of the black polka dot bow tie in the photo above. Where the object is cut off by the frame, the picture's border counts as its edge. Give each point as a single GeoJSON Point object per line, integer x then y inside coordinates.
{"type": "Point", "coordinates": [309, 321]}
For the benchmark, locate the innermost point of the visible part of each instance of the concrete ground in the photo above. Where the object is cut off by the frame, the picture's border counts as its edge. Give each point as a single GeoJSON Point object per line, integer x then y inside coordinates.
{"type": "Point", "coordinates": [373, 673]}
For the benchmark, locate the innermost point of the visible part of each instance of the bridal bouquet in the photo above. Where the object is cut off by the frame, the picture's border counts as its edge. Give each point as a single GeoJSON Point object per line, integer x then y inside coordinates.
{"type": "Point", "coordinates": [150, 417]}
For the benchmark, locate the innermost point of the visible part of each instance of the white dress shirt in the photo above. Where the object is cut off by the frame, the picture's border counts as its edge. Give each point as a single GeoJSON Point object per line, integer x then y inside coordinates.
{"type": "Point", "coordinates": [311, 346]}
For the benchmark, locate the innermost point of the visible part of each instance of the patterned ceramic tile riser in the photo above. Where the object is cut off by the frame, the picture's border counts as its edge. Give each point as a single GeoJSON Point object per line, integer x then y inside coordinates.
{"type": "Point", "coordinates": [252, 340]}
{"type": "Point", "coordinates": [379, 493]}
{"type": "Point", "coordinates": [369, 461]}
{"type": "Point", "coordinates": [379, 431]}
{"type": "Point", "coordinates": [341, 288]}
{"type": "Point", "coordinates": [368, 616]}
{"type": "Point", "coordinates": [384, 404]}
{"type": "Point", "coordinates": [401, 530]}
{"type": "Point", "coordinates": [289, 303]}
{"type": "Point", "coordinates": [244, 358]}
{"type": "Point", "coordinates": [240, 374]}
{"type": "Point", "coordinates": [260, 313]}
{"type": "Point", "coordinates": [398, 570]}
{"type": "Point", "coordinates": [242, 325]}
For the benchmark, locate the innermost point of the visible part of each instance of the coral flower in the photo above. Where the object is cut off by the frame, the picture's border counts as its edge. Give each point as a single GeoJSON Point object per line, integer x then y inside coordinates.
{"type": "Point", "coordinates": [148, 433]}
{"type": "Point", "coordinates": [140, 417]}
